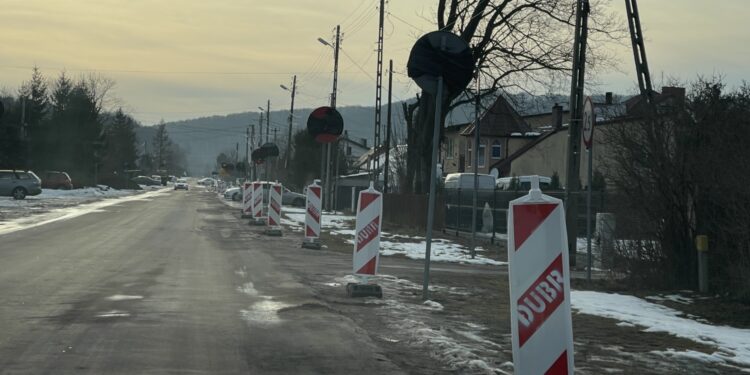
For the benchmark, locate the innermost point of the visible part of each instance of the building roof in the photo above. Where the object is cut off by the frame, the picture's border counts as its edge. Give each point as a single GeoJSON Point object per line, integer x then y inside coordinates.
{"type": "Point", "coordinates": [500, 120]}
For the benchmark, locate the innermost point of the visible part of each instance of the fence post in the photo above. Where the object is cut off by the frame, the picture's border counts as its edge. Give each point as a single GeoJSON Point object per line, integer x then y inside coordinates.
{"type": "Point", "coordinates": [458, 212]}
{"type": "Point", "coordinates": [494, 207]}
{"type": "Point", "coordinates": [701, 244]}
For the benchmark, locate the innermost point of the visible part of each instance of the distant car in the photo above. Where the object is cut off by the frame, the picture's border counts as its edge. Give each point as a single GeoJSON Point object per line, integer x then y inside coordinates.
{"type": "Point", "coordinates": [19, 184]}
{"type": "Point", "coordinates": [56, 180]}
{"type": "Point", "coordinates": [234, 194]}
{"type": "Point", "coordinates": [145, 180]}
{"type": "Point", "coordinates": [208, 181]}
{"type": "Point", "coordinates": [465, 181]}
{"type": "Point", "coordinates": [181, 184]}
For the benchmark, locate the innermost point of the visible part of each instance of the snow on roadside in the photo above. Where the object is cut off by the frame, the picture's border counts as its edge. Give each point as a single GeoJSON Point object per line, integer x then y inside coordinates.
{"type": "Point", "coordinates": [394, 244]}
{"type": "Point", "coordinates": [70, 212]}
{"type": "Point", "coordinates": [733, 344]}
{"type": "Point", "coordinates": [68, 196]}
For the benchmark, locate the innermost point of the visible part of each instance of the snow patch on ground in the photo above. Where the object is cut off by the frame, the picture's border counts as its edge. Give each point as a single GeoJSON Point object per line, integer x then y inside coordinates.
{"type": "Point", "coordinates": [671, 297]}
{"type": "Point", "coordinates": [123, 297]}
{"type": "Point", "coordinates": [393, 244]}
{"type": "Point", "coordinates": [70, 212]}
{"type": "Point", "coordinates": [733, 344]}
{"type": "Point", "coordinates": [441, 251]}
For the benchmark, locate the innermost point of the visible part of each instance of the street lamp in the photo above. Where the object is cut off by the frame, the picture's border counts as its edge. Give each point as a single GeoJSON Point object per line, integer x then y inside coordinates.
{"type": "Point", "coordinates": [324, 42]}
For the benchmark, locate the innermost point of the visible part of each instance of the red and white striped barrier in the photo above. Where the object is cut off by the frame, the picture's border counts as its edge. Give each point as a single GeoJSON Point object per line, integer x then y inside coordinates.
{"type": "Point", "coordinates": [274, 205]}
{"type": "Point", "coordinates": [367, 232]}
{"type": "Point", "coordinates": [542, 331]}
{"type": "Point", "coordinates": [312, 213]}
{"type": "Point", "coordinates": [247, 199]}
{"type": "Point", "coordinates": [257, 200]}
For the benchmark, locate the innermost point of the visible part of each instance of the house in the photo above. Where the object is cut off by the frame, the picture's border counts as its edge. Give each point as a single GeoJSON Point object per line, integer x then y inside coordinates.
{"type": "Point", "coordinates": [501, 132]}
{"type": "Point", "coordinates": [353, 148]}
{"type": "Point", "coordinates": [547, 153]}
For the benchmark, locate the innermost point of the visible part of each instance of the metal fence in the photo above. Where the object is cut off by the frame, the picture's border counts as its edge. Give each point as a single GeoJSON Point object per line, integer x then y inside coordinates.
{"type": "Point", "coordinates": [458, 207]}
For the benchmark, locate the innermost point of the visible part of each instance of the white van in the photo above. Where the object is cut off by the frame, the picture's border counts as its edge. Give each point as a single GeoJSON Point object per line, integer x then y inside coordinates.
{"type": "Point", "coordinates": [524, 183]}
{"type": "Point", "coordinates": [466, 181]}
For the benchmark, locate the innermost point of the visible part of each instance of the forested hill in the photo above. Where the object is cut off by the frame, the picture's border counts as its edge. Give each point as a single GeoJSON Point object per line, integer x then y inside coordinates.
{"type": "Point", "coordinates": [202, 139]}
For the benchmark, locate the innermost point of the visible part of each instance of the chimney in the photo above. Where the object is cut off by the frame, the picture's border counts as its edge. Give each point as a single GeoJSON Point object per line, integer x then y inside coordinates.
{"type": "Point", "coordinates": [608, 98]}
{"type": "Point", "coordinates": [676, 93]}
{"type": "Point", "coordinates": [557, 116]}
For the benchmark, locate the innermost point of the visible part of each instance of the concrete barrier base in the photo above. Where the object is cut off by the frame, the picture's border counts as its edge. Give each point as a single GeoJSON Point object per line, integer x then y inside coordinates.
{"type": "Point", "coordinates": [355, 290]}
{"type": "Point", "coordinates": [314, 244]}
{"type": "Point", "coordinates": [274, 232]}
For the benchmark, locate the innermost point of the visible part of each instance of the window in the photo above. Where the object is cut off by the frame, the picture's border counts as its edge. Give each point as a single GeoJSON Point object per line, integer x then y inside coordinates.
{"type": "Point", "coordinates": [348, 150]}
{"type": "Point", "coordinates": [449, 148]}
{"type": "Point", "coordinates": [497, 150]}
{"type": "Point", "coordinates": [481, 153]}
{"type": "Point", "coordinates": [468, 154]}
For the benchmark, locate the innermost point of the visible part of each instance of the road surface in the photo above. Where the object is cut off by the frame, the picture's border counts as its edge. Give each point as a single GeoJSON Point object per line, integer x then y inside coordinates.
{"type": "Point", "coordinates": [171, 285]}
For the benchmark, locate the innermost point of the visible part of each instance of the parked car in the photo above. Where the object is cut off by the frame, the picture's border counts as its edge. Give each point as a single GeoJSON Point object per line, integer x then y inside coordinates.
{"type": "Point", "coordinates": [181, 184]}
{"type": "Point", "coordinates": [56, 180]}
{"type": "Point", "coordinates": [465, 181]}
{"type": "Point", "coordinates": [19, 184]}
{"type": "Point", "coordinates": [291, 198]}
{"type": "Point", "coordinates": [234, 194]}
{"type": "Point", "coordinates": [524, 183]}
{"type": "Point", "coordinates": [145, 180]}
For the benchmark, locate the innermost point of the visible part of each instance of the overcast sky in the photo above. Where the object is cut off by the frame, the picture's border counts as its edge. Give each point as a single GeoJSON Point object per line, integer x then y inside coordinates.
{"type": "Point", "coordinates": [176, 59]}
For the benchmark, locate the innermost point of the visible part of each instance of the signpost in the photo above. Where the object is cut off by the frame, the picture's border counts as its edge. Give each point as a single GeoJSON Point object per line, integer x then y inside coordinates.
{"type": "Point", "coordinates": [366, 256]}
{"type": "Point", "coordinates": [312, 216]}
{"type": "Point", "coordinates": [541, 327]}
{"type": "Point", "coordinates": [589, 118]}
{"type": "Point", "coordinates": [325, 125]}
{"type": "Point", "coordinates": [274, 210]}
{"type": "Point", "coordinates": [441, 64]}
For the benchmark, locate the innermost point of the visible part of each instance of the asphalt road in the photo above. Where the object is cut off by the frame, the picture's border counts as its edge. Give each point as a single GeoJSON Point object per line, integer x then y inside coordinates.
{"type": "Point", "coordinates": [171, 285]}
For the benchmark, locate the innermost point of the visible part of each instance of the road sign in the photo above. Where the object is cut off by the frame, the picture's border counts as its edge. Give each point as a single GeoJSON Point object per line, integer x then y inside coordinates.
{"type": "Point", "coordinates": [541, 327]}
{"type": "Point", "coordinates": [588, 120]}
{"type": "Point", "coordinates": [274, 205]}
{"type": "Point", "coordinates": [367, 232]}
{"type": "Point", "coordinates": [312, 213]}
{"type": "Point", "coordinates": [441, 54]}
{"type": "Point", "coordinates": [325, 124]}
{"type": "Point", "coordinates": [247, 199]}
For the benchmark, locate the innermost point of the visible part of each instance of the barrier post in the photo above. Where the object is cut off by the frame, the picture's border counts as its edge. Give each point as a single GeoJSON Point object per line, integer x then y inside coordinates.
{"type": "Point", "coordinates": [312, 217]}
{"type": "Point", "coordinates": [366, 255]}
{"type": "Point", "coordinates": [538, 269]}
{"type": "Point", "coordinates": [247, 200]}
{"type": "Point", "coordinates": [274, 209]}
{"type": "Point", "coordinates": [257, 197]}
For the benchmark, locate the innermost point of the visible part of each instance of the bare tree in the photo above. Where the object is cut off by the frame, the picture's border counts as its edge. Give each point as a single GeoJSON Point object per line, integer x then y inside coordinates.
{"type": "Point", "coordinates": [680, 174]}
{"type": "Point", "coordinates": [520, 45]}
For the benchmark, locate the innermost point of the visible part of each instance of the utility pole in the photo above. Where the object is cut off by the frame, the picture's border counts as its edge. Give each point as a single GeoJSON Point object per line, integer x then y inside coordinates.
{"type": "Point", "coordinates": [275, 160]}
{"type": "Point", "coordinates": [268, 119]}
{"type": "Point", "coordinates": [327, 148]}
{"type": "Point", "coordinates": [476, 170]}
{"type": "Point", "coordinates": [378, 98]}
{"type": "Point", "coordinates": [388, 129]}
{"type": "Point", "coordinates": [291, 121]}
{"type": "Point", "coordinates": [572, 187]}
{"type": "Point", "coordinates": [247, 151]}
{"type": "Point", "coordinates": [252, 142]}
{"type": "Point", "coordinates": [260, 126]}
